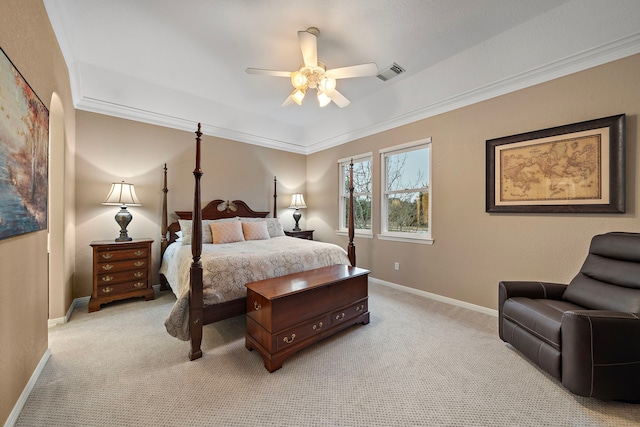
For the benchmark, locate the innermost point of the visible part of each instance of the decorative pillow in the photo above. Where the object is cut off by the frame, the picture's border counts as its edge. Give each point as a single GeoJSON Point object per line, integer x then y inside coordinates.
{"type": "Point", "coordinates": [226, 232]}
{"type": "Point", "coordinates": [255, 230]}
{"type": "Point", "coordinates": [179, 234]}
{"type": "Point", "coordinates": [186, 224]}
{"type": "Point", "coordinates": [273, 225]}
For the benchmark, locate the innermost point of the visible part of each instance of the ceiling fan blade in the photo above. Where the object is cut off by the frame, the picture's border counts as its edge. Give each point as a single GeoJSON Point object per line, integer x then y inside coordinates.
{"type": "Point", "coordinates": [287, 102]}
{"type": "Point", "coordinates": [268, 72]}
{"type": "Point", "coordinates": [362, 70]}
{"type": "Point", "coordinates": [309, 48]}
{"type": "Point", "coordinates": [340, 100]}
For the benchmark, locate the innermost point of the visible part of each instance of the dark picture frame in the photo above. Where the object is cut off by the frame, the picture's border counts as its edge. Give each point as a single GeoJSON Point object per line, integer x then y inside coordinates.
{"type": "Point", "coordinates": [24, 154]}
{"type": "Point", "coordinates": [575, 168]}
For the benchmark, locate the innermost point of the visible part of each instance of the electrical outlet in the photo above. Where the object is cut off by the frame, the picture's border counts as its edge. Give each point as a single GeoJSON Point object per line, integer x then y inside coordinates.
{"type": "Point", "coordinates": [396, 265]}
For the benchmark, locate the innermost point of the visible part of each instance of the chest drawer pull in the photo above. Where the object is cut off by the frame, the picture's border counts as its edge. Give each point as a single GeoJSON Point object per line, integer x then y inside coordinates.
{"type": "Point", "coordinates": [340, 316]}
{"type": "Point", "coordinates": [138, 274]}
{"type": "Point", "coordinates": [107, 278]}
{"type": "Point", "coordinates": [107, 256]}
{"type": "Point", "coordinates": [360, 307]}
{"type": "Point", "coordinates": [138, 253]}
{"type": "Point", "coordinates": [107, 267]}
{"type": "Point", "coordinates": [107, 290]}
{"type": "Point", "coordinates": [257, 306]}
{"type": "Point", "coordinates": [317, 327]}
{"type": "Point", "coordinates": [139, 285]}
{"type": "Point", "coordinates": [138, 263]}
{"type": "Point", "coordinates": [289, 340]}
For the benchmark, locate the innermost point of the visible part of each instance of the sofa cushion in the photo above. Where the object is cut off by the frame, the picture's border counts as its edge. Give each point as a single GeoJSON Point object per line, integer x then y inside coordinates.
{"type": "Point", "coordinates": [539, 317]}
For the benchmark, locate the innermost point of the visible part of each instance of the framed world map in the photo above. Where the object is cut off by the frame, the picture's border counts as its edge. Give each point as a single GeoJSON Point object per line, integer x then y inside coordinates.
{"type": "Point", "coordinates": [577, 168]}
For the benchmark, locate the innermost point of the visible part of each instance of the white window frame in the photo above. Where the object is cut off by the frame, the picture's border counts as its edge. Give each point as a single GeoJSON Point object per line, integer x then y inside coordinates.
{"type": "Point", "coordinates": [343, 229]}
{"type": "Point", "coordinates": [424, 238]}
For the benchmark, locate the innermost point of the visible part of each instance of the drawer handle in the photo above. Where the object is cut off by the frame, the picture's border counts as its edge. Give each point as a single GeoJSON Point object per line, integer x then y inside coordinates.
{"type": "Point", "coordinates": [107, 278]}
{"type": "Point", "coordinates": [139, 285]}
{"type": "Point", "coordinates": [289, 341]}
{"type": "Point", "coordinates": [107, 256]}
{"type": "Point", "coordinates": [257, 306]}
{"type": "Point", "coordinates": [138, 274]}
{"type": "Point", "coordinates": [318, 326]}
{"type": "Point", "coordinates": [107, 267]}
{"type": "Point", "coordinates": [138, 253]}
{"type": "Point", "coordinates": [360, 307]}
{"type": "Point", "coordinates": [339, 316]}
{"type": "Point", "coordinates": [138, 263]}
{"type": "Point", "coordinates": [107, 290]}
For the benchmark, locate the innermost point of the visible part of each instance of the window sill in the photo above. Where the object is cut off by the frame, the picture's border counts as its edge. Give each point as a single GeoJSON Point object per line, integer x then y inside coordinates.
{"type": "Point", "coordinates": [422, 240]}
{"type": "Point", "coordinates": [356, 234]}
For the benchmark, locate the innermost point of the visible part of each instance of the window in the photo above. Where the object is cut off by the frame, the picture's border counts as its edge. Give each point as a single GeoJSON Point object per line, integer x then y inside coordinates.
{"type": "Point", "coordinates": [406, 192]}
{"type": "Point", "coordinates": [362, 179]}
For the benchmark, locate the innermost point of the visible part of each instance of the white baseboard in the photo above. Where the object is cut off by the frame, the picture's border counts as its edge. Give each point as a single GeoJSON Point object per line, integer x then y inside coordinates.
{"type": "Point", "coordinates": [436, 297]}
{"type": "Point", "coordinates": [17, 408]}
{"type": "Point", "coordinates": [65, 319]}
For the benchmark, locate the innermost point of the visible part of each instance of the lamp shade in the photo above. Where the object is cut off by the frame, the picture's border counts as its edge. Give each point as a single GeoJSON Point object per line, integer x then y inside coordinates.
{"type": "Point", "coordinates": [297, 201]}
{"type": "Point", "coordinates": [122, 194]}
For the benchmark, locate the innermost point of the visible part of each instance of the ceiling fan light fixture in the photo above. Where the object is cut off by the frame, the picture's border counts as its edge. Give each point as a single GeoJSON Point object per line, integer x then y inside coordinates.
{"type": "Point", "coordinates": [327, 84]}
{"type": "Point", "coordinates": [297, 96]}
{"type": "Point", "coordinates": [298, 80]}
{"type": "Point", "coordinates": [323, 99]}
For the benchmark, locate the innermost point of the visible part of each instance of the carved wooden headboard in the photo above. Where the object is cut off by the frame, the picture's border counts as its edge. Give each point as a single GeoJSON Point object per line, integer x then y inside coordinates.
{"type": "Point", "coordinates": [212, 211]}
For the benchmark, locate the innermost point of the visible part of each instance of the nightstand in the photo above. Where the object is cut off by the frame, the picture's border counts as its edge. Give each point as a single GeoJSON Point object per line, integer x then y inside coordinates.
{"type": "Point", "coordinates": [120, 270]}
{"type": "Point", "coordinates": [302, 234]}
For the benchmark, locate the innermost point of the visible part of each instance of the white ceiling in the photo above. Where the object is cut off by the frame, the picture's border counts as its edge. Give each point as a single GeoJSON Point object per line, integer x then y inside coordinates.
{"type": "Point", "coordinates": [177, 63]}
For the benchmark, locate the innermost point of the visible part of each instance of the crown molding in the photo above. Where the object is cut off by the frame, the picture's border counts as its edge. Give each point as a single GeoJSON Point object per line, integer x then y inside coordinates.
{"type": "Point", "coordinates": [600, 55]}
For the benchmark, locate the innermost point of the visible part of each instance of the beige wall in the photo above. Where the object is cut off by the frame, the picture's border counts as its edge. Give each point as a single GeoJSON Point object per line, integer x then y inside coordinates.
{"type": "Point", "coordinates": [111, 149]}
{"type": "Point", "coordinates": [473, 250]}
{"type": "Point", "coordinates": [28, 40]}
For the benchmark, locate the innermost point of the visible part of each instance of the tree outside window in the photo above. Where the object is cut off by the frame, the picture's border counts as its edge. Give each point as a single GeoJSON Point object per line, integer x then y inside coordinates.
{"type": "Point", "coordinates": [362, 193]}
{"type": "Point", "coordinates": [406, 190]}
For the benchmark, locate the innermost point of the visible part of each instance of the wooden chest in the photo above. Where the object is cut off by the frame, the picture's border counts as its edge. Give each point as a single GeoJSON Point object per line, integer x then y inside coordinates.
{"type": "Point", "coordinates": [289, 313]}
{"type": "Point", "coordinates": [120, 270]}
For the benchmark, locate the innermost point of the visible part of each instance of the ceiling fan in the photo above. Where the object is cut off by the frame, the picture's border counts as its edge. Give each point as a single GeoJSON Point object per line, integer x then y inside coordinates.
{"type": "Point", "coordinates": [314, 74]}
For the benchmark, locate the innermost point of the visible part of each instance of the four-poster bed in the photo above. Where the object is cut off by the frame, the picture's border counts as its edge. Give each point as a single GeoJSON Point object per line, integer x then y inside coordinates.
{"type": "Point", "coordinates": [274, 256]}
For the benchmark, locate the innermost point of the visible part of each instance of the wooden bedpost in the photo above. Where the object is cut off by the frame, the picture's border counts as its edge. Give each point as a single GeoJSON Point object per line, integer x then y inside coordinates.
{"type": "Point", "coordinates": [275, 196]}
{"type": "Point", "coordinates": [163, 240]}
{"type": "Point", "coordinates": [351, 249]}
{"type": "Point", "coordinates": [196, 301]}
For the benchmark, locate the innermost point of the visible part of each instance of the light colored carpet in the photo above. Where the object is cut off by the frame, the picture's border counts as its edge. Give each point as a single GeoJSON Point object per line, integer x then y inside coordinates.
{"type": "Point", "coordinates": [418, 363]}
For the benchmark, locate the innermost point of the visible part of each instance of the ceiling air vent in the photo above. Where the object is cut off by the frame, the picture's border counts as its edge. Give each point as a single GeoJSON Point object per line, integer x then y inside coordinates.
{"type": "Point", "coordinates": [390, 72]}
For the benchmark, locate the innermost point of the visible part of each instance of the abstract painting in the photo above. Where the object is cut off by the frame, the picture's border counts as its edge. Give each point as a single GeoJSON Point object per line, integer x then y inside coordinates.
{"type": "Point", "coordinates": [24, 144]}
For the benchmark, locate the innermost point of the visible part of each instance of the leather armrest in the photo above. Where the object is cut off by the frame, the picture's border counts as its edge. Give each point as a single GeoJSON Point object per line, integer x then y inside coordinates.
{"type": "Point", "coordinates": [536, 290]}
{"type": "Point", "coordinates": [601, 354]}
{"type": "Point", "coordinates": [528, 289]}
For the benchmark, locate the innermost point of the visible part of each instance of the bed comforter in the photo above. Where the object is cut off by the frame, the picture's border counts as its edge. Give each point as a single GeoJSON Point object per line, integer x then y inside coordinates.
{"type": "Point", "coordinates": [228, 267]}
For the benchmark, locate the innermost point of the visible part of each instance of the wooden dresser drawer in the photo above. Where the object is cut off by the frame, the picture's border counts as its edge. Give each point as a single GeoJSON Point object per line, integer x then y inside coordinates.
{"type": "Point", "coordinates": [111, 254]}
{"type": "Point", "coordinates": [115, 266]}
{"type": "Point", "coordinates": [349, 312]}
{"type": "Point", "coordinates": [300, 333]}
{"type": "Point", "coordinates": [120, 288]}
{"type": "Point", "coordinates": [120, 270]}
{"type": "Point", "coordinates": [125, 276]}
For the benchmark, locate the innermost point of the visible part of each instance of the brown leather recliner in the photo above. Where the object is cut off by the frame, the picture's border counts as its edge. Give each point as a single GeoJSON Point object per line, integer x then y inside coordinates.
{"type": "Point", "coordinates": [585, 334]}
